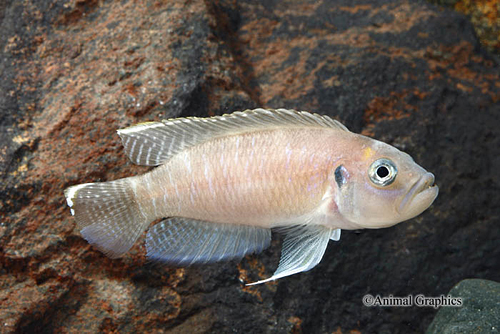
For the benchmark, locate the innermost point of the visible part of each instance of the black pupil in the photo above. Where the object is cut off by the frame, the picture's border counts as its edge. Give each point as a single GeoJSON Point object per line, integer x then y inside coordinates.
{"type": "Point", "coordinates": [382, 172]}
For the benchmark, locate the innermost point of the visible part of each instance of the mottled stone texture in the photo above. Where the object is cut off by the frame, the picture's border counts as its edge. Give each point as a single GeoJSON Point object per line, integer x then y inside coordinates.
{"type": "Point", "coordinates": [480, 313]}
{"type": "Point", "coordinates": [406, 72]}
{"type": "Point", "coordinates": [485, 17]}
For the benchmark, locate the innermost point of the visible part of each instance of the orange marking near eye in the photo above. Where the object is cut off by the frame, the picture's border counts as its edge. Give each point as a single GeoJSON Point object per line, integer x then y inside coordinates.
{"type": "Point", "coordinates": [368, 153]}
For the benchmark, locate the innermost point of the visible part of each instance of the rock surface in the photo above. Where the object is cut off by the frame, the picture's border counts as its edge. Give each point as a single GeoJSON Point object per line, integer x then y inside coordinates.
{"type": "Point", "coordinates": [405, 72]}
{"type": "Point", "coordinates": [480, 312]}
{"type": "Point", "coordinates": [485, 17]}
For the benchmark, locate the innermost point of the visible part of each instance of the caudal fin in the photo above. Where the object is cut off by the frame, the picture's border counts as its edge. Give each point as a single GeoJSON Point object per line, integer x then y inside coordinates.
{"type": "Point", "coordinates": [107, 214]}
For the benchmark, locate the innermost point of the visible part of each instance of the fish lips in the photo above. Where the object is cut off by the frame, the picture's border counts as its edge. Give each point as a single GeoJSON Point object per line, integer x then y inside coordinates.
{"type": "Point", "coordinates": [419, 197]}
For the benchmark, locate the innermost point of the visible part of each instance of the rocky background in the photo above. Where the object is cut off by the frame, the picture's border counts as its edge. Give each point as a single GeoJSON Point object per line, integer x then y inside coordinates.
{"type": "Point", "coordinates": [407, 72]}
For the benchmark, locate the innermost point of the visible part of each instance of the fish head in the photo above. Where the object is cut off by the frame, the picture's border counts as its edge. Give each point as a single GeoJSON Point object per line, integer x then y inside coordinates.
{"type": "Point", "coordinates": [380, 186]}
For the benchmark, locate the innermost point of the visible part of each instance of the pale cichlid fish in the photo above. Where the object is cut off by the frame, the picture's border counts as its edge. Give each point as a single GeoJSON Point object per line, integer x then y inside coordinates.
{"type": "Point", "coordinates": [222, 183]}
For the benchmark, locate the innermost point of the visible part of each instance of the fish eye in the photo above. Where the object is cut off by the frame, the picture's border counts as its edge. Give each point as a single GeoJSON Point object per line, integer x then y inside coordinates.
{"type": "Point", "coordinates": [382, 172]}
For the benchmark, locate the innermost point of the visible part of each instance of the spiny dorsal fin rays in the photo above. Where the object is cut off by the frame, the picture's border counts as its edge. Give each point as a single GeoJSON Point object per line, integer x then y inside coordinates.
{"type": "Point", "coordinates": [153, 143]}
{"type": "Point", "coordinates": [303, 249]}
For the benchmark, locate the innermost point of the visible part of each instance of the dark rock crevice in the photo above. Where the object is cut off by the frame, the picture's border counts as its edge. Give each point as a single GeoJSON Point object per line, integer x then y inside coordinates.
{"type": "Point", "coordinates": [225, 27]}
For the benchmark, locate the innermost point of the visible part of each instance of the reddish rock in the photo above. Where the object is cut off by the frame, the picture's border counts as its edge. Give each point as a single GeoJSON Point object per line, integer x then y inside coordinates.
{"type": "Point", "coordinates": [405, 72]}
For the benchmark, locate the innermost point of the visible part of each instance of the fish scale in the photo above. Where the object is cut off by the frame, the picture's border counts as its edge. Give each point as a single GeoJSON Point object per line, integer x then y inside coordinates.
{"type": "Point", "coordinates": [269, 193]}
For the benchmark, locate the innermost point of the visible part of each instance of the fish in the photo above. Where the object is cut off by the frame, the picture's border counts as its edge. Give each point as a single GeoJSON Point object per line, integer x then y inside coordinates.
{"type": "Point", "coordinates": [222, 184]}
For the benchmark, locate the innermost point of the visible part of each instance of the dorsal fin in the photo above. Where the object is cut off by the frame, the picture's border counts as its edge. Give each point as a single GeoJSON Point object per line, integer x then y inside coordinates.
{"type": "Point", "coordinates": [153, 143]}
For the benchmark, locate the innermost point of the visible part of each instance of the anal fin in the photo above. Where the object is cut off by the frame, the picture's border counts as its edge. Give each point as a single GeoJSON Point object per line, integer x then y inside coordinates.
{"type": "Point", "coordinates": [303, 248]}
{"type": "Point", "coordinates": [183, 241]}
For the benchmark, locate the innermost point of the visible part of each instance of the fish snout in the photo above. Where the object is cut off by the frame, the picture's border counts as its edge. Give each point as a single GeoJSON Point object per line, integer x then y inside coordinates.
{"type": "Point", "coordinates": [419, 197]}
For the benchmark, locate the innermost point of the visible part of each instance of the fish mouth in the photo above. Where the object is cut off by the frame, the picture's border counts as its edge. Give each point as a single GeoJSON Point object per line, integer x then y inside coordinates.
{"type": "Point", "coordinates": [419, 197]}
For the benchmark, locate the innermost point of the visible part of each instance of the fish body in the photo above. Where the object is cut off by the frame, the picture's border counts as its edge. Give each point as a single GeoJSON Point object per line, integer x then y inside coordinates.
{"type": "Point", "coordinates": [263, 178]}
{"type": "Point", "coordinates": [226, 181]}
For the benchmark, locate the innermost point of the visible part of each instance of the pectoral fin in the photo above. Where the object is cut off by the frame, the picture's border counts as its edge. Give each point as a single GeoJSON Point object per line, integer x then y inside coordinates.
{"type": "Point", "coordinates": [185, 242]}
{"type": "Point", "coordinates": [303, 249]}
